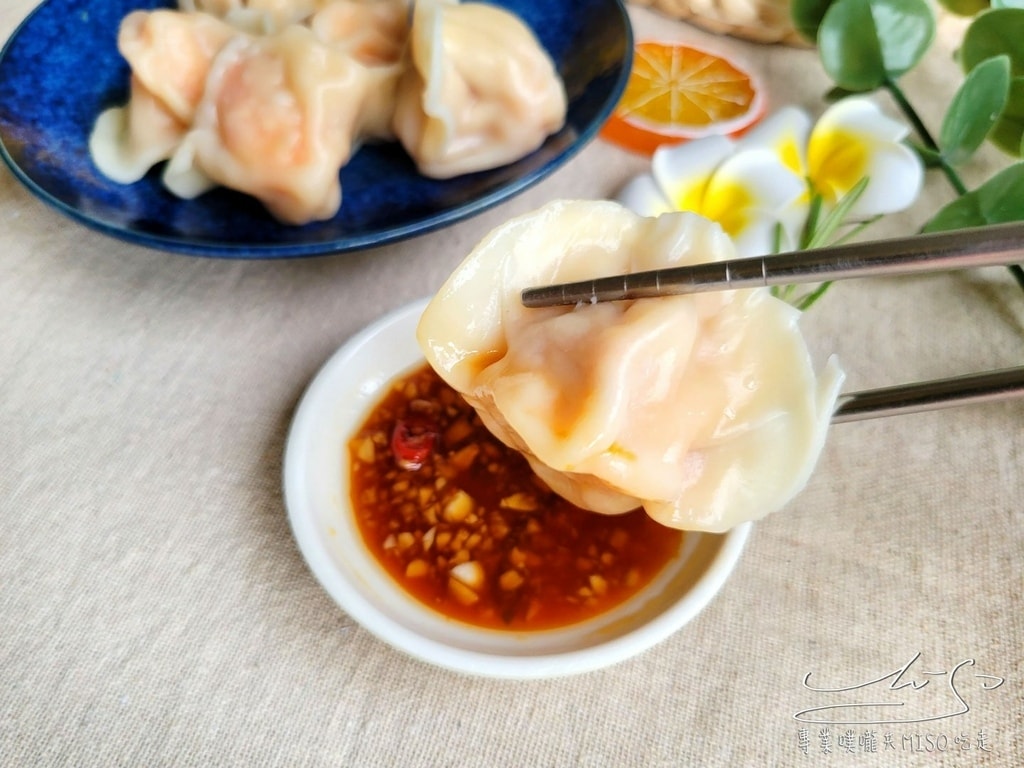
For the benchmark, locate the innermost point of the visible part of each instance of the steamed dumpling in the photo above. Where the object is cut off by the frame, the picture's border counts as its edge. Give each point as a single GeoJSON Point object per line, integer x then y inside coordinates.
{"type": "Point", "coordinates": [255, 16]}
{"type": "Point", "coordinates": [375, 34]}
{"type": "Point", "coordinates": [278, 119]}
{"type": "Point", "coordinates": [127, 141]}
{"type": "Point", "coordinates": [170, 55]}
{"type": "Point", "coordinates": [481, 91]}
{"type": "Point", "coordinates": [703, 409]}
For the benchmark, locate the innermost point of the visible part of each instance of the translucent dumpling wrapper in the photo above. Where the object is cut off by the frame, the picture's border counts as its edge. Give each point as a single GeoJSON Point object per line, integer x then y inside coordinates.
{"type": "Point", "coordinates": [374, 33]}
{"type": "Point", "coordinates": [704, 409]}
{"type": "Point", "coordinates": [170, 55]}
{"type": "Point", "coordinates": [279, 117]}
{"type": "Point", "coordinates": [127, 141]}
{"type": "Point", "coordinates": [255, 16]}
{"type": "Point", "coordinates": [481, 91]}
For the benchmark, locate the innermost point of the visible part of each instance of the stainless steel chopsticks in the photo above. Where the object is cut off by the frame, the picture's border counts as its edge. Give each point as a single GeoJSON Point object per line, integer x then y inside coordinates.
{"type": "Point", "coordinates": [987, 387]}
{"type": "Point", "coordinates": [996, 245]}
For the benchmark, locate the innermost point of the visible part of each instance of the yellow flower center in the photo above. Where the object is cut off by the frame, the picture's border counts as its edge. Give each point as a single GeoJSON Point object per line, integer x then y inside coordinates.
{"type": "Point", "coordinates": [789, 154]}
{"type": "Point", "coordinates": [729, 204]}
{"type": "Point", "coordinates": [836, 161]}
{"type": "Point", "coordinates": [692, 197]}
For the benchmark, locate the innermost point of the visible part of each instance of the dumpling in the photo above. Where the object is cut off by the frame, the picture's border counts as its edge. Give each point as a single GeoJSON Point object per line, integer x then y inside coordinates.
{"type": "Point", "coordinates": [704, 409]}
{"type": "Point", "coordinates": [375, 34]}
{"type": "Point", "coordinates": [169, 54]}
{"type": "Point", "coordinates": [481, 91]}
{"type": "Point", "coordinates": [127, 141]}
{"type": "Point", "coordinates": [255, 16]}
{"type": "Point", "coordinates": [277, 121]}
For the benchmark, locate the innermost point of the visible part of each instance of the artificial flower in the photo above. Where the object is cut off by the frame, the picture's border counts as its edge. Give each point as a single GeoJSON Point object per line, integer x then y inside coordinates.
{"type": "Point", "coordinates": [855, 140]}
{"type": "Point", "coordinates": [759, 188]}
{"type": "Point", "coordinates": [747, 192]}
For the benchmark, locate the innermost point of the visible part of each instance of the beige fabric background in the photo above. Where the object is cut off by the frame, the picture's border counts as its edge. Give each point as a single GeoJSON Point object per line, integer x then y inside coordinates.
{"type": "Point", "coordinates": [154, 609]}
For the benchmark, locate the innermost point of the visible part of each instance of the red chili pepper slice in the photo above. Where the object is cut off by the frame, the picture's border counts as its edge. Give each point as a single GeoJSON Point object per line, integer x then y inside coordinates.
{"type": "Point", "coordinates": [412, 442]}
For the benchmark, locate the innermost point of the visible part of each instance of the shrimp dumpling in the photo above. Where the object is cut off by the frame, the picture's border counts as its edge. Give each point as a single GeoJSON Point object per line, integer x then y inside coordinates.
{"type": "Point", "coordinates": [481, 91]}
{"type": "Point", "coordinates": [278, 119]}
{"type": "Point", "coordinates": [255, 16]}
{"type": "Point", "coordinates": [170, 55]}
{"type": "Point", "coordinates": [127, 141]}
{"type": "Point", "coordinates": [375, 34]}
{"type": "Point", "coordinates": [703, 409]}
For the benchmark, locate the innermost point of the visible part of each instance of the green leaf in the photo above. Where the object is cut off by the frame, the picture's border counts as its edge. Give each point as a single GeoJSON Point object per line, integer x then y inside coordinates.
{"type": "Point", "coordinates": [966, 7]}
{"type": "Point", "coordinates": [807, 15]}
{"type": "Point", "coordinates": [811, 225]}
{"type": "Point", "coordinates": [825, 229]}
{"type": "Point", "coordinates": [998, 200]}
{"type": "Point", "coordinates": [848, 44]}
{"type": "Point", "coordinates": [863, 43]}
{"type": "Point", "coordinates": [975, 109]}
{"type": "Point", "coordinates": [836, 93]}
{"type": "Point", "coordinates": [906, 29]}
{"type": "Point", "coordinates": [993, 33]}
{"type": "Point", "coordinates": [1008, 133]}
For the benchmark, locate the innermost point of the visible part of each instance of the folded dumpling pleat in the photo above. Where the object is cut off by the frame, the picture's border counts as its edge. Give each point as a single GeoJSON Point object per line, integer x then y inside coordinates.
{"type": "Point", "coordinates": [375, 34]}
{"type": "Point", "coordinates": [278, 119]}
{"type": "Point", "coordinates": [254, 16]}
{"type": "Point", "coordinates": [704, 409]}
{"type": "Point", "coordinates": [481, 91]}
{"type": "Point", "coordinates": [170, 55]}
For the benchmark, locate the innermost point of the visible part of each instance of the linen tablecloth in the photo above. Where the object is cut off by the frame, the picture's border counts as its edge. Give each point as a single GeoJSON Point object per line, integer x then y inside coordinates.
{"type": "Point", "coordinates": [155, 611]}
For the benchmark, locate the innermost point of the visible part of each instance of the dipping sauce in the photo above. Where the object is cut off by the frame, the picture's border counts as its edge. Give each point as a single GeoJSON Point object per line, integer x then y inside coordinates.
{"type": "Point", "coordinates": [464, 526]}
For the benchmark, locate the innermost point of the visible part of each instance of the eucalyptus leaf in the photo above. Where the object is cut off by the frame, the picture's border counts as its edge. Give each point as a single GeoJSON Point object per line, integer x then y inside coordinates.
{"type": "Point", "coordinates": [1008, 133]}
{"type": "Point", "coordinates": [906, 29]}
{"type": "Point", "coordinates": [864, 43]}
{"type": "Point", "coordinates": [995, 32]}
{"type": "Point", "coordinates": [848, 45]}
{"type": "Point", "coordinates": [975, 109]}
{"type": "Point", "coordinates": [998, 200]}
{"type": "Point", "coordinates": [807, 15]}
{"type": "Point", "coordinates": [966, 7]}
{"type": "Point", "coordinates": [835, 94]}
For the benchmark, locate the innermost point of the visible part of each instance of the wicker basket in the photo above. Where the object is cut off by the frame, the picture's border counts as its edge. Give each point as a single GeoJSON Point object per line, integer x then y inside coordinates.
{"type": "Point", "coordinates": [765, 21]}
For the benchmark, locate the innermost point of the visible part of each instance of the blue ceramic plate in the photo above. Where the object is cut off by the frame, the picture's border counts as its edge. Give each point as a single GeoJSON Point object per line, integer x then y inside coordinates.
{"type": "Point", "coordinates": [61, 68]}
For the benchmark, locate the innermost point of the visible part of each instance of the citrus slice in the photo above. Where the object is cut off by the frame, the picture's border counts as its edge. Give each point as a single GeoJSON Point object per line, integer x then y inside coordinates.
{"type": "Point", "coordinates": [677, 93]}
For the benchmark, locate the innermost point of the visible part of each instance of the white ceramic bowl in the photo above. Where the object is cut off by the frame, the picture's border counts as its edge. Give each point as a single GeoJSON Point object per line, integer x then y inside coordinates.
{"type": "Point", "coordinates": [317, 496]}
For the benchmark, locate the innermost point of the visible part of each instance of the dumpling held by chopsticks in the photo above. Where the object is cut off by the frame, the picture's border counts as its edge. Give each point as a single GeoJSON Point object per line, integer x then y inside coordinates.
{"type": "Point", "coordinates": [704, 409]}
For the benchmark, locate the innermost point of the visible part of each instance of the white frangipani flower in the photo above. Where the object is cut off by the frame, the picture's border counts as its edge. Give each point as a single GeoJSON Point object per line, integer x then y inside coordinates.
{"type": "Point", "coordinates": [855, 140]}
{"type": "Point", "coordinates": [746, 192]}
{"type": "Point", "coordinates": [785, 133]}
{"type": "Point", "coordinates": [764, 183]}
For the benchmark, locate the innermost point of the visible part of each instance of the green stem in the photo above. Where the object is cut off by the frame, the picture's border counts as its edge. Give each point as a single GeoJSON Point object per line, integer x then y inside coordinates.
{"type": "Point", "coordinates": [926, 137]}
{"type": "Point", "coordinates": [806, 301]}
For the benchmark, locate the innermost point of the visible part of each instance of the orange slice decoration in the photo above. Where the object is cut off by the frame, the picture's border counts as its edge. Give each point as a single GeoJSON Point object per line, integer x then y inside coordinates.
{"type": "Point", "coordinates": [677, 93]}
